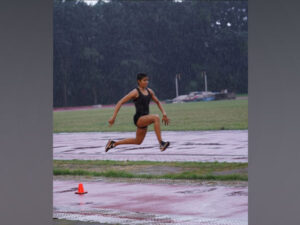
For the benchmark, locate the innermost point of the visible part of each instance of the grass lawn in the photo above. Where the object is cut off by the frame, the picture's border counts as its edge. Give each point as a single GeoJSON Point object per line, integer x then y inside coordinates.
{"type": "Point", "coordinates": [214, 115]}
{"type": "Point", "coordinates": [153, 170]}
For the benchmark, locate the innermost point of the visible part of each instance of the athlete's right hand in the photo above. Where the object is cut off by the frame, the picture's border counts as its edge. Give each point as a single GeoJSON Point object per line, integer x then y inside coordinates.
{"type": "Point", "coordinates": [111, 121]}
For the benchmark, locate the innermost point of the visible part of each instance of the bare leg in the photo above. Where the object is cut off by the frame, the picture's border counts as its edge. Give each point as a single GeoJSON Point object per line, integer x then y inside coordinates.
{"type": "Point", "coordinates": [149, 119]}
{"type": "Point", "coordinates": [140, 135]}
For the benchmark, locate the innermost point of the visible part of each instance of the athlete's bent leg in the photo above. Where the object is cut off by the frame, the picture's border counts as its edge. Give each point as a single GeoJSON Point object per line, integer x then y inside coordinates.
{"type": "Point", "coordinates": [140, 135]}
{"type": "Point", "coordinates": [149, 119]}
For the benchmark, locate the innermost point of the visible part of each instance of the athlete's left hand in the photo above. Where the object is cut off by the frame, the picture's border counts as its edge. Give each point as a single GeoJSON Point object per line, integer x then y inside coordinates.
{"type": "Point", "coordinates": [111, 121]}
{"type": "Point", "coordinates": [165, 120]}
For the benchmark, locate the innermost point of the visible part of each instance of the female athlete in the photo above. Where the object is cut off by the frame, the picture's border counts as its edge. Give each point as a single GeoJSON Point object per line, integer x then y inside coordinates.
{"type": "Point", "coordinates": [142, 119]}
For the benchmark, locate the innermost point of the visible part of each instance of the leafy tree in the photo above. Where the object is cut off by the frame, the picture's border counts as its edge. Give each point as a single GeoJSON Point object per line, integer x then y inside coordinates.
{"type": "Point", "coordinates": [98, 50]}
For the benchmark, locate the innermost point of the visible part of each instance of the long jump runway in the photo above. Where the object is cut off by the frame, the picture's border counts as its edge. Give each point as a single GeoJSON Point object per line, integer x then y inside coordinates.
{"type": "Point", "coordinates": [205, 146]}
{"type": "Point", "coordinates": [117, 202]}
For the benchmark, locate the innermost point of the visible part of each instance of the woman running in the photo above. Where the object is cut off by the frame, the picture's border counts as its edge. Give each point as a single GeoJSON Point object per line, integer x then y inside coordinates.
{"type": "Point", "coordinates": [142, 119]}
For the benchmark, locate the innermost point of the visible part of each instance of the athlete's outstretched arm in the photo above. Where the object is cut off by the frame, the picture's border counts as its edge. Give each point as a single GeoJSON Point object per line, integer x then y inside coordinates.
{"type": "Point", "coordinates": [125, 99]}
{"type": "Point", "coordinates": [165, 119]}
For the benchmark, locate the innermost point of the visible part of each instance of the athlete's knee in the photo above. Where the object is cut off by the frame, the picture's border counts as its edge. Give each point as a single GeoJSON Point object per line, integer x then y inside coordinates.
{"type": "Point", "coordinates": [156, 117]}
{"type": "Point", "coordinates": [139, 141]}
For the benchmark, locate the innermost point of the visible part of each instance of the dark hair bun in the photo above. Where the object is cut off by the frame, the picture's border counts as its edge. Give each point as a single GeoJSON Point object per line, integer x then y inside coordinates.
{"type": "Point", "coordinates": [140, 76]}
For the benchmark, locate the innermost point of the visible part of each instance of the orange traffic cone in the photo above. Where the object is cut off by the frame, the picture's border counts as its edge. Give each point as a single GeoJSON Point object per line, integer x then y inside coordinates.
{"type": "Point", "coordinates": [80, 190]}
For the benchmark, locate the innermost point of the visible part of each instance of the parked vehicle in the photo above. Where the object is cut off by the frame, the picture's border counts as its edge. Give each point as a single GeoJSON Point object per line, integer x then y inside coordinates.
{"type": "Point", "coordinates": [197, 96]}
{"type": "Point", "coordinates": [180, 99]}
{"type": "Point", "coordinates": [201, 96]}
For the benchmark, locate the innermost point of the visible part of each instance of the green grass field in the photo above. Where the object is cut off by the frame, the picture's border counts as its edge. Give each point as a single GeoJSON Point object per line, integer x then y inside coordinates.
{"type": "Point", "coordinates": [152, 170]}
{"type": "Point", "coordinates": [214, 115]}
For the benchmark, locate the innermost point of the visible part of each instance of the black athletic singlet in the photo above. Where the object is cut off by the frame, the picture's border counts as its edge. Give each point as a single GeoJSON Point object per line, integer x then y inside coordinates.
{"type": "Point", "coordinates": [141, 105]}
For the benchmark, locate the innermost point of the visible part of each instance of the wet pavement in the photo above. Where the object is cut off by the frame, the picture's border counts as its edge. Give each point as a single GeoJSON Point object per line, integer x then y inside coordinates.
{"type": "Point", "coordinates": [205, 146]}
{"type": "Point", "coordinates": [117, 202]}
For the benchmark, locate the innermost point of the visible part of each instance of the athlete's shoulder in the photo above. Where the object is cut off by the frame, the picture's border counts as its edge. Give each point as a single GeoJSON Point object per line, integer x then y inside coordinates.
{"type": "Point", "coordinates": [134, 90]}
{"type": "Point", "coordinates": [151, 91]}
{"type": "Point", "coordinates": [134, 93]}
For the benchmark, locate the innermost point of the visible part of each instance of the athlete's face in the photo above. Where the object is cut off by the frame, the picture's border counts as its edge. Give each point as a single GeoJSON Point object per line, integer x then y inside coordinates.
{"type": "Point", "coordinates": [143, 83]}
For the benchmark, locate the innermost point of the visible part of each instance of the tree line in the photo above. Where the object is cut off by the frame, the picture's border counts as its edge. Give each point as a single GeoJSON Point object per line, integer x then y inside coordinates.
{"type": "Point", "coordinates": [99, 49]}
